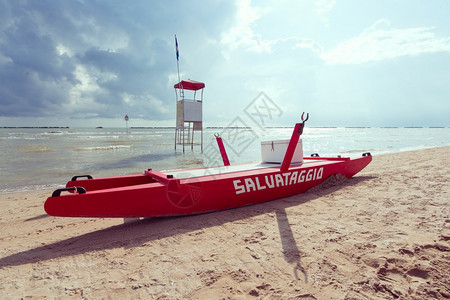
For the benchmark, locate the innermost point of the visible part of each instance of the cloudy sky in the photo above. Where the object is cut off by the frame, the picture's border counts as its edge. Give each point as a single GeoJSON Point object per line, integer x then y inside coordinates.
{"type": "Point", "coordinates": [347, 63]}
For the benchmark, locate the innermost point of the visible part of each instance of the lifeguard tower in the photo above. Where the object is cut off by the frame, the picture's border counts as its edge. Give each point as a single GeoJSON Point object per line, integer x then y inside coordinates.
{"type": "Point", "coordinates": [189, 113]}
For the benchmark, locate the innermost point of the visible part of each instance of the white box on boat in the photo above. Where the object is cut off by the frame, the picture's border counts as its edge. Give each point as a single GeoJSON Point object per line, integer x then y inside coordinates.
{"type": "Point", "coordinates": [274, 151]}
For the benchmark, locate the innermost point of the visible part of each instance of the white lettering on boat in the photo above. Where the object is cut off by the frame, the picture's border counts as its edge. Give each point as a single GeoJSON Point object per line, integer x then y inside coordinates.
{"type": "Point", "coordinates": [257, 183]}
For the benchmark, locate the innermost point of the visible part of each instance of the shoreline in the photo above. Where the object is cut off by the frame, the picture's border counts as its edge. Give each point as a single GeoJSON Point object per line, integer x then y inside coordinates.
{"type": "Point", "coordinates": [53, 186]}
{"type": "Point", "coordinates": [382, 234]}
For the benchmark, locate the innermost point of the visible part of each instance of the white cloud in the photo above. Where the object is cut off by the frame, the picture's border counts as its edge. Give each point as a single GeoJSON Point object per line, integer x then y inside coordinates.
{"type": "Point", "coordinates": [4, 60]}
{"type": "Point", "coordinates": [149, 102]}
{"type": "Point", "coordinates": [82, 94]}
{"type": "Point", "coordinates": [323, 8]}
{"type": "Point", "coordinates": [61, 50]}
{"type": "Point", "coordinates": [308, 44]}
{"type": "Point", "coordinates": [241, 34]}
{"type": "Point", "coordinates": [377, 43]}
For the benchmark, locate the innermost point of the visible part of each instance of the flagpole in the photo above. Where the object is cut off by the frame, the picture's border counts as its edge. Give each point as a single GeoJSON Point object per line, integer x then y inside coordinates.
{"type": "Point", "coordinates": [178, 64]}
{"type": "Point", "coordinates": [177, 134]}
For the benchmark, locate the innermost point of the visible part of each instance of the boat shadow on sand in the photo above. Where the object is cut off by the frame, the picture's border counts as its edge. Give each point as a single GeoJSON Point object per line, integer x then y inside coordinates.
{"type": "Point", "coordinates": [135, 234]}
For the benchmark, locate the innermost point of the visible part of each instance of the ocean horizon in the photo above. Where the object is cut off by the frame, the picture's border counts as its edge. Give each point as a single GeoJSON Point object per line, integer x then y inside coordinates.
{"type": "Point", "coordinates": [207, 127]}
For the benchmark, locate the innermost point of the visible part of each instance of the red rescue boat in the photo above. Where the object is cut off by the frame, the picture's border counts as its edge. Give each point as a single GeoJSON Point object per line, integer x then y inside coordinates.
{"type": "Point", "coordinates": [195, 191]}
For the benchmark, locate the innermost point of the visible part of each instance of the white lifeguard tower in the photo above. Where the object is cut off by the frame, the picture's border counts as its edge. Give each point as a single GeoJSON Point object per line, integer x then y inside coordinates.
{"type": "Point", "coordinates": [189, 113]}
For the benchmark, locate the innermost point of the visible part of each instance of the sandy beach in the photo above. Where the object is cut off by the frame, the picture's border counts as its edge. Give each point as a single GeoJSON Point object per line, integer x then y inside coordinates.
{"type": "Point", "coordinates": [384, 234]}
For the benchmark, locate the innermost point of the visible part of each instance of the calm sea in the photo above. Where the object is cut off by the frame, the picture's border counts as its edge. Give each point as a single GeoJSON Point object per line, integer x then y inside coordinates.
{"type": "Point", "coordinates": [35, 158]}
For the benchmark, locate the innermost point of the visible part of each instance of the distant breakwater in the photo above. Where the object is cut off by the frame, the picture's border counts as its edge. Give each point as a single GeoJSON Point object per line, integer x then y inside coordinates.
{"type": "Point", "coordinates": [39, 127]}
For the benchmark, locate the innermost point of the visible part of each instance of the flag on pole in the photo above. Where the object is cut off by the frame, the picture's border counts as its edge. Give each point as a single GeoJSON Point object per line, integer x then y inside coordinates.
{"type": "Point", "coordinates": [176, 47]}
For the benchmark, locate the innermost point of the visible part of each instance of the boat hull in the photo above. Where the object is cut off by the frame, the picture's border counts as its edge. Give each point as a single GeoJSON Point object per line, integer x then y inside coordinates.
{"type": "Point", "coordinates": [196, 191]}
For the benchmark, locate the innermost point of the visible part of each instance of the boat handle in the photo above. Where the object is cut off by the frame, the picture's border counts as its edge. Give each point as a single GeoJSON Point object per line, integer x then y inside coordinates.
{"type": "Point", "coordinates": [302, 124]}
{"type": "Point", "coordinates": [307, 117]}
{"type": "Point", "coordinates": [74, 178]}
{"type": "Point", "coordinates": [79, 189]}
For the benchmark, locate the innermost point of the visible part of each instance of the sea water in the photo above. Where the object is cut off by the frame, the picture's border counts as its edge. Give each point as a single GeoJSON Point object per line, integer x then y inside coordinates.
{"type": "Point", "coordinates": [35, 158]}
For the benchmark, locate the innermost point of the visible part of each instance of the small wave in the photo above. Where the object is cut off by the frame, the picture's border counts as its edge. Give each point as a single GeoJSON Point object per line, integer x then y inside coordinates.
{"type": "Point", "coordinates": [31, 187]}
{"type": "Point", "coordinates": [103, 148]}
{"type": "Point", "coordinates": [53, 133]}
{"type": "Point", "coordinates": [360, 150]}
{"type": "Point", "coordinates": [121, 142]}
{"type": "Point", "coordinates": [36, 149]}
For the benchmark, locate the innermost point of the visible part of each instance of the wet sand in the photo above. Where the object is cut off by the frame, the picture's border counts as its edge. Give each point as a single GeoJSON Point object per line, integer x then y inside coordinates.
{"type": "Point", "coordinates": [384, 234]}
